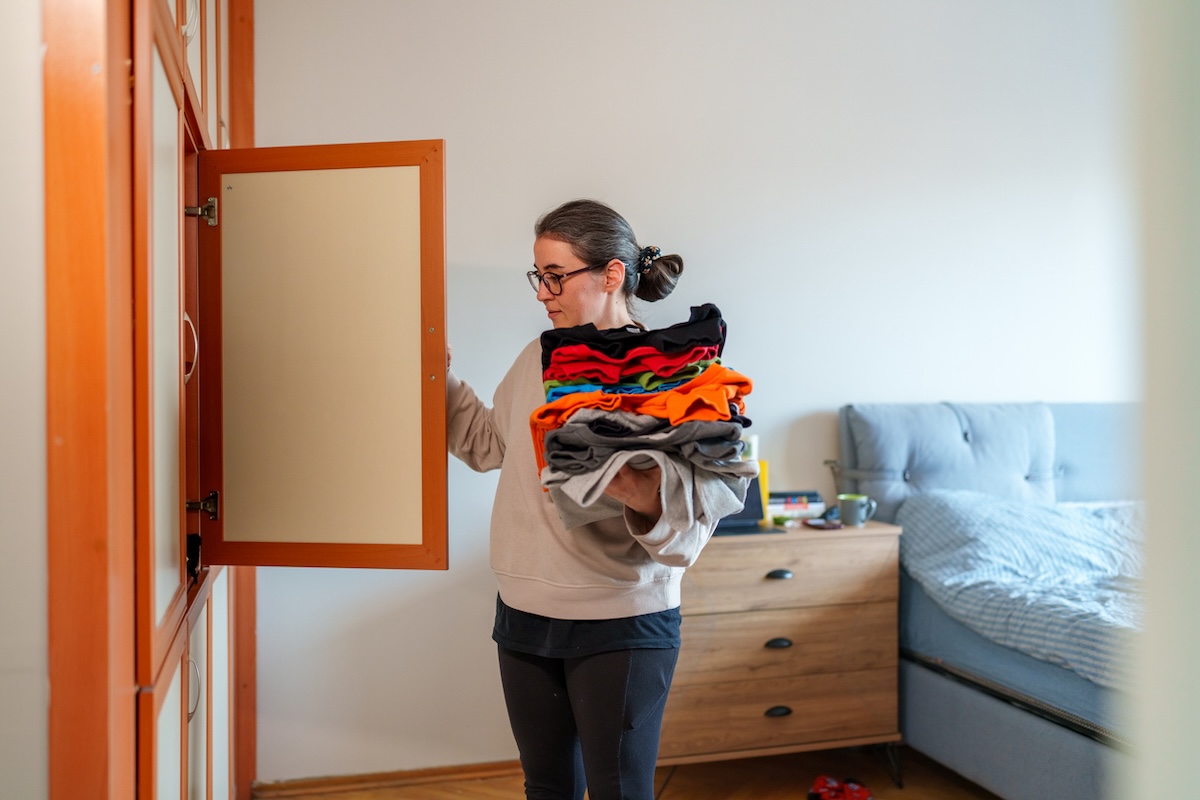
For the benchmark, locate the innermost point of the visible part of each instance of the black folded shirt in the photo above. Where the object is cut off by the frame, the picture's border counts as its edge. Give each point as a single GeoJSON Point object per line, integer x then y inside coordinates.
{"type": "Point", "coordinates": [704, 327]}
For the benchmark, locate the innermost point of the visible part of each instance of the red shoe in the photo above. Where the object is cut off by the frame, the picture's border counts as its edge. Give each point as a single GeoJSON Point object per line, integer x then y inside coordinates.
{"type": "Point", "coordinates": [827, 788]}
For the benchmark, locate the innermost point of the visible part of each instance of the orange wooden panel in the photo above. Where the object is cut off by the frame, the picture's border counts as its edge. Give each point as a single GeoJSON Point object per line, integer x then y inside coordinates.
{"type": "Point", "coordinates": [431, 553]}
{"type": "Point", "coordinates": [198, 595]}
{"type": "Point", "coordinates": [149, 703]}
{"type": "Point", "coordinates": [165, 32]}
{"type": "Point", "coordinates": [241, 73]}
{"type": "Point", "coordinates": [193, 324]}
{"type": "Point", "coordinates": [191, 86]}
{"type": "Point", "coordinates": [86, 129]}
{"type": "Point", "coordinates": [153, 30]}
{"type": "Point", "coordinates": [219, 72]}
{"type": "Point", "coordinates": [208, 711]}
{"type": "Point", "coordinates": [243, 608]}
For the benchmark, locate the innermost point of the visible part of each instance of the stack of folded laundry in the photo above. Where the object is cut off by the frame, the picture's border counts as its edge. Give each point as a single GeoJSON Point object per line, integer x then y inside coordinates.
{"type": "Point", "coordinates": [643, 398]}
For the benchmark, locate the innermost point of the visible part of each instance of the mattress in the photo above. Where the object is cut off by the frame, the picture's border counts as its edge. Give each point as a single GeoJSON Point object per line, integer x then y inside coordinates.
{"type": "Point", "coordinates": [932, 638]}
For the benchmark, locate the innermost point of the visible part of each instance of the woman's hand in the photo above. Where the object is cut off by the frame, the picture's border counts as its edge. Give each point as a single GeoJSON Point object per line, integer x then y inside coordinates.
{"type": "Point", "coordinates": [638, 489]}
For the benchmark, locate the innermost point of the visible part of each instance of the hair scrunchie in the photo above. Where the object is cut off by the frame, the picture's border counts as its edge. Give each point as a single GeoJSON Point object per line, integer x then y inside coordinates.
{"type": "Point", "coordinates": [646, 257]}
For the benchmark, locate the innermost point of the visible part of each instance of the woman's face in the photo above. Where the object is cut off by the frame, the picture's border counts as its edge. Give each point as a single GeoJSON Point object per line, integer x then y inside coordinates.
{"type": "Point", "coordinates": [593, 297]}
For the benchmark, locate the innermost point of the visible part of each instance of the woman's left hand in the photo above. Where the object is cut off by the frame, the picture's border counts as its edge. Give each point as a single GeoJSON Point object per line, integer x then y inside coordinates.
{"type": "Point", "coordinates": [638, 489]}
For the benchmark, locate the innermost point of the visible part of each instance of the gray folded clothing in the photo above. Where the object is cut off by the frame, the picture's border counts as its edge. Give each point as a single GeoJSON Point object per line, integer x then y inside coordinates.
{"type": "Point", "coordinates": [691, 493]}
{"type": "Point", "coordinates": [579, 447]}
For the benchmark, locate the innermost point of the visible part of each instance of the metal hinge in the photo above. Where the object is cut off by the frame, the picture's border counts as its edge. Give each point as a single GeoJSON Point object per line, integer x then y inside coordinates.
{"type": "Point", "coordinates": [208, 211]}
{"type": "Point", "coordinates": [211, 505]}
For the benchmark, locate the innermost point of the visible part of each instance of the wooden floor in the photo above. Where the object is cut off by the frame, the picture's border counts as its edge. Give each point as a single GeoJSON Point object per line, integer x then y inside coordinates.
{"type": "Point", "coordinates": [785, 777]}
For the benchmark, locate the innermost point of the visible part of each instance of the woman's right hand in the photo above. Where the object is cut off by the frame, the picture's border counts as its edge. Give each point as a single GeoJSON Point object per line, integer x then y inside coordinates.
{"type": "Point", "coordinates": [638, 489]}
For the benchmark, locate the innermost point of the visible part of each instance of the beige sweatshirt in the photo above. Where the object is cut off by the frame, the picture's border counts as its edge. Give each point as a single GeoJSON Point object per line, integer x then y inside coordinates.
{"type": "Point", "coordinates": [618, 567]}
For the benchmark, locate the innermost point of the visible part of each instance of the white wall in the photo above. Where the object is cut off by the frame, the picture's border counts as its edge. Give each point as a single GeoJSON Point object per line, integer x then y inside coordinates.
{"type": "Point", "coordinates": [913, 201]}
{"type": "Point", "coordinates": [23, 585]}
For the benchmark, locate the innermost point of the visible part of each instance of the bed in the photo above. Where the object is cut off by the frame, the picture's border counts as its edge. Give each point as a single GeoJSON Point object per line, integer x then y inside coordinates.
{"type": "Point", "coordinates": [1017, 689]}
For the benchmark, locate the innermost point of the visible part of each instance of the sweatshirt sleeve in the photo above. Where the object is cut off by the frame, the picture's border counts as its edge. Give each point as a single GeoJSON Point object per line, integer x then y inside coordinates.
{"type": "Point", "coordinates": [472, 431]}
{"type": "Point", "coordinates": [479, 435]}
{"type": "Point", "coordinates": [666, 545]}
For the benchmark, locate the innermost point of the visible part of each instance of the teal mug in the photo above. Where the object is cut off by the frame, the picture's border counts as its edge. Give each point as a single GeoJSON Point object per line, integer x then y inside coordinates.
{"type": "Point", "coordinates": [855, 509]}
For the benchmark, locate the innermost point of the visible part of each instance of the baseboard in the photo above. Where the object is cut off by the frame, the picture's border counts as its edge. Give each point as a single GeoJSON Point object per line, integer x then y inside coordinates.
{"type": "Point", "coordinates": [383, 780]}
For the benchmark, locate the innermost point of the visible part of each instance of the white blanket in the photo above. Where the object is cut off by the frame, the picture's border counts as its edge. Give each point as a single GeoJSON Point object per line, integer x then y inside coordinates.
{"type": "Point", "coordinates": [1061, 583]}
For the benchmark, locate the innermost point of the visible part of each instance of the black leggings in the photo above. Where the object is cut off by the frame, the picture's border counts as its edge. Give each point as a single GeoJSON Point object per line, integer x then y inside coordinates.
{"type": "Point", "coordinates": [600, 715]}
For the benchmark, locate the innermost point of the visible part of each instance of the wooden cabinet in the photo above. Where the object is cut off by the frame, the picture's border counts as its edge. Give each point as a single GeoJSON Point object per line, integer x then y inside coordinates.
{"type": "Point", "coordinates": [198, 30]}
{"type": "Point", "coordinates": [184, 739]}
{"type": "Point", "coordinates": [146, 628]}
{"type": "Point", "coordinates": [199, 697]}
{"type": "Point", "coordinates": [161, 728]}
{"type": "Point", "coordinates": [173, 617]}
{"type": "Point", "coordinates": [288, 326]}
{"type": "Point", "coordinates": [789, 643]}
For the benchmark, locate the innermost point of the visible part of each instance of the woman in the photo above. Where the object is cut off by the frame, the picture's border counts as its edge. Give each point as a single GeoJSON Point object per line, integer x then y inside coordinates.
{"type": "Point", "coordinates": [587, 619]}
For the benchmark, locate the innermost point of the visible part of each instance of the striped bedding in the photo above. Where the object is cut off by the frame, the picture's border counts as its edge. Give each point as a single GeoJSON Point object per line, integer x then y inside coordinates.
{"type": "Point", "coordinates": [1059, 582]}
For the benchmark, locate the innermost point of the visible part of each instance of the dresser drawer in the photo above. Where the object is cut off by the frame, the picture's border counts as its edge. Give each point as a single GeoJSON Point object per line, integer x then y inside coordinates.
{"type": "Point", "coordinates": [802, 641]}
{"type": "Point", "coordinates": [728, 717]}
{"type": "Point", "coordinates": [733, 573]}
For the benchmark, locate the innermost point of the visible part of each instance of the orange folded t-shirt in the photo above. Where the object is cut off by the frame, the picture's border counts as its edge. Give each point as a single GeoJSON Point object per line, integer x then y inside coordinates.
{"type": "Point", "coordinates": [706, 397]}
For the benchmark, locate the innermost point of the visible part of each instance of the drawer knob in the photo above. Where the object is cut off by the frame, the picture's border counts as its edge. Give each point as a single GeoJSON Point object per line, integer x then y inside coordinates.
{"type": "Point", "coordinates": [780, 574]}
{"type": "Point", "coordinates": [778, 643]}
{"type": "Point", "coordinates": [777, 711]}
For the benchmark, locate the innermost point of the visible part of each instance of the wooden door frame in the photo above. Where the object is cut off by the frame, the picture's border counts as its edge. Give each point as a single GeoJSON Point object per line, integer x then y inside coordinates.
{"type": "Point", "coordinates": [241, 73]}
{"type": "Point", "coordinates": [89, 397]}
{"type": "Point", "coordinates": [243, 582]}
{"type": "Point", "coordinates": [87, 155]}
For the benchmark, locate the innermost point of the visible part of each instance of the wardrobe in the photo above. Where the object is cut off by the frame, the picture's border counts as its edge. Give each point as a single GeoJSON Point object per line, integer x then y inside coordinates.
{"type": "Point", "coordinates": [245, 366]}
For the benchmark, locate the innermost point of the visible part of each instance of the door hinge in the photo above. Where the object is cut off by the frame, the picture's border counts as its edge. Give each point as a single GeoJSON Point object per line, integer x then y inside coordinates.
{"type": "Point", "coordinates": [208, 211]}
{"type": "Point", "coordinates": [211, 505]}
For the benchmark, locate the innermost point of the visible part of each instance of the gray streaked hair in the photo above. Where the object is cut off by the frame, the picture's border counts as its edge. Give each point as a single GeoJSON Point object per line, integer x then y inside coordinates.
{"type": "Point", "coordinates": [597, 234]}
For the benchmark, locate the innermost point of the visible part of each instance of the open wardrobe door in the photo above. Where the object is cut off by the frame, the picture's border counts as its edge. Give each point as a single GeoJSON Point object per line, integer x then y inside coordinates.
{"type": "Point", "coordinates": [322, 356]}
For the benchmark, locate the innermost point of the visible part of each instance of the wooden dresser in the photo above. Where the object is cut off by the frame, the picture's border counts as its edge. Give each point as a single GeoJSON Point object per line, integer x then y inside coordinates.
{"type": "Point", "coordinates": [789, 643]}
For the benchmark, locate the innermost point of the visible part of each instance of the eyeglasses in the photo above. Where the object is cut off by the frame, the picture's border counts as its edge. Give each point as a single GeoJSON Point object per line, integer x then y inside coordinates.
{"type": "Point", "coordinates": [554, 280]}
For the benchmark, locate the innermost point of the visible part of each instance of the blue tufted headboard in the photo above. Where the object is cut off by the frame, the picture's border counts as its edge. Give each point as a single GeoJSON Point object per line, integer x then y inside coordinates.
{"type": "Point", "coordinates": [1042, 452]}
